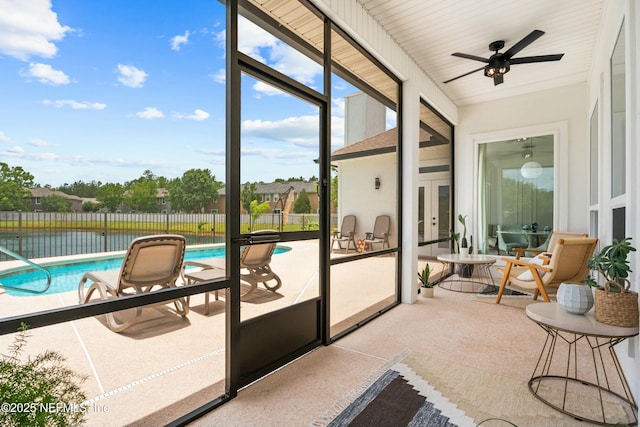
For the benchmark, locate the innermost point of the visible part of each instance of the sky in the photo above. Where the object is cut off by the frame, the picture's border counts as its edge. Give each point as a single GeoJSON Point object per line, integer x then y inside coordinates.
{"type": "Point", "coordinates": [104, 90]}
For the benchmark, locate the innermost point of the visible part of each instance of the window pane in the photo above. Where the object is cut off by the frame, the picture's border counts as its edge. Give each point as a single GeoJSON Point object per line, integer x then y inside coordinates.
{"type": "Point", "coordinates": [594, 159]}
{"type": "Point", "coordinates": [516, 190]}
{"type": "Point", "coordinates": [618, 121]}
{"type": "Point", "coordinates": [279, 147]}
{"type": "Point", "coordinates": [434, 171]}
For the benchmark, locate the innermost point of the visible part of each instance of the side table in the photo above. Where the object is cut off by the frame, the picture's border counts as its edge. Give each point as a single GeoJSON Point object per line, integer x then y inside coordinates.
{"type": "Point", "coordinates": [561, 385]}
{"type": "Point", "coordinates": [475, 282]}
{"type": "Point", "coordinates": [191, 277]}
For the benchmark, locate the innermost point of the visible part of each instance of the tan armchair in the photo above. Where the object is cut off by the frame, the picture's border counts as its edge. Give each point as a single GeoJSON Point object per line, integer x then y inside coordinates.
{"type": "Point", "coordinates": [567, 263]}
{"type": "Point", "coordinates": [553, 239]}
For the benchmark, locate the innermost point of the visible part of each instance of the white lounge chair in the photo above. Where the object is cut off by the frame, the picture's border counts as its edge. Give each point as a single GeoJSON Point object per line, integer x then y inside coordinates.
{"type": "Point", "coordinates": [150, 262]}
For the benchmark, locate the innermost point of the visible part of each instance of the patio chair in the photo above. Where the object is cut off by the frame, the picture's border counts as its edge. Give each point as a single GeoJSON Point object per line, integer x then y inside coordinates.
{"type": "Point", "coordinates": [255, 266]}
{"type": "Point", "coordinates": [150, 262]}
{"type": "Point", "coordinates": [544, 273]}
{"type": "Point", "coordinates": [380, 233]}
{"type": "Point", "coordinates": [549, 244]}
{"type": "Point", "coordinates": [346, 234]}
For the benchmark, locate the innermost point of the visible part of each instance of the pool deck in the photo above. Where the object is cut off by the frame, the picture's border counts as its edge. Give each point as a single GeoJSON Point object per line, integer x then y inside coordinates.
{"type": "Point", "coordinates": [165, 365]}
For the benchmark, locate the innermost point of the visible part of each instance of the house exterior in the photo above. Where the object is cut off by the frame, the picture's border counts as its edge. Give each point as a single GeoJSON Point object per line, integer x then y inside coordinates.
{"type": "Point", "coordinates": [281, 196]}
{"type": "Point", "coordinates": [38, 193]}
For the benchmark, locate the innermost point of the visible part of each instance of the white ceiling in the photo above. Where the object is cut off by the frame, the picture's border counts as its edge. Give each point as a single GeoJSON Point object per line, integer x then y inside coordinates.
{"type": "Point", "coordinates": [431, 30]}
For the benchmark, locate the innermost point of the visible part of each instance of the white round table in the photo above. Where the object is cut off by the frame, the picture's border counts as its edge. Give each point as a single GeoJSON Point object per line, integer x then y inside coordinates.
{"type": "Point", "coordinates": [472, 273]}
{"type": "Point", "coordinates": [569, 339]}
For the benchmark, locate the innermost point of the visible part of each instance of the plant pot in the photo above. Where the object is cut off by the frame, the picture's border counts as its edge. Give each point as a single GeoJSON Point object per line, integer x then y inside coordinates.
{"type": "Point", "coordinates": [464, 270]}
{"type": "Point", "coordinates": [575, 298]}
{"type": "Point", "coordinates": [426, 292]}
{"type": "Point", "coordinates": [464, 252]}
{"type": "Point", "coordinates": [616, 305]}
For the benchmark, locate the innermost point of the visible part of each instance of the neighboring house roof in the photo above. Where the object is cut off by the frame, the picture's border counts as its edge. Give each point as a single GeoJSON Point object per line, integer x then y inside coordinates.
{"type": "Point", "coordinates": [47, 192]}
{"type": "Point", "coordinates": [281, 187]}
{"type": "Point", "coordinates": [381, 143]}
{"type": "Point", "coordinates": [161, 192]}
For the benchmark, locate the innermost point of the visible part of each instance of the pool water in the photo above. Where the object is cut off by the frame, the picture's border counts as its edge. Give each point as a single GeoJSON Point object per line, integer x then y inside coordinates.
{"type": "Point", "coordinates": [66, 277]}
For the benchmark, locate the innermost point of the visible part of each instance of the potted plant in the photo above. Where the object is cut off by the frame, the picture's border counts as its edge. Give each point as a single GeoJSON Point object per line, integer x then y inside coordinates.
{"type": "Point", "coordinates": [426, 286]}
{"type": "Point", "coordinates": [462, 247]}
{"type": "Point", "coordinates": [615, 304]}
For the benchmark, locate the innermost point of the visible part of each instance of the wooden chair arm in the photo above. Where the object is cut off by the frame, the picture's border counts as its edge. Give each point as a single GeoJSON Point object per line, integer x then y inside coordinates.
{"type": "Point", "coordinates": [523, 263]}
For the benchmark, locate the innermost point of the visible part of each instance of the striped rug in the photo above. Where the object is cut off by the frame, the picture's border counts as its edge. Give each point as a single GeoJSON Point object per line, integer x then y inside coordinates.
{"type": "Point", "coordinates": [396, 397]}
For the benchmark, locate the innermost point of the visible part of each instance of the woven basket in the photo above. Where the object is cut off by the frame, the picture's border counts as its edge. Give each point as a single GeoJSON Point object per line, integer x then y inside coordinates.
{"type": "Point", "coordinates": [617, 308]}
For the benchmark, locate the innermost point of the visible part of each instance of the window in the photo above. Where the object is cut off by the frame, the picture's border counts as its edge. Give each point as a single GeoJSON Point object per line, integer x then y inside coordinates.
{"type": "Point", "coordinates": [618, 122]}
{"type": "Point", "coordinates": [36, 200]}
{"type": "Point", "coordinates": [516, 191]}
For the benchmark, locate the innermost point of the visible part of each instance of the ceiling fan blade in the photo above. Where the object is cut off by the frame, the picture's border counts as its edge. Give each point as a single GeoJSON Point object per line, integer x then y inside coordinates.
{"type": "Point", "coordinates": [531, 59]}
{"type": "Point", "coordinates": [467, 56]}
{"type": "Point", "coordinates": [463, 75]}
{"type": "Point", "coordinates": [533, 36]}
{"type": "Point", "coordinates": [498, 79]}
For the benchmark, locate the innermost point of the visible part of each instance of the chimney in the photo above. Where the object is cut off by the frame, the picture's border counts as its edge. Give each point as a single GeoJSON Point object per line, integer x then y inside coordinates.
{"type": "Point", "coordinates": [364, 118]}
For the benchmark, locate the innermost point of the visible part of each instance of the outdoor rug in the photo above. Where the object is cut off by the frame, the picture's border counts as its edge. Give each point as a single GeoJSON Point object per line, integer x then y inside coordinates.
{"type": "Point", "coordinates": [423, 390]}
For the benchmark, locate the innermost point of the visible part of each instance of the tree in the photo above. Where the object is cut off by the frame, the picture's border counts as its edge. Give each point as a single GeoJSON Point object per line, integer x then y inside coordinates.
{"type": "Point", "coordinates": [81, 189]}
{"type": "Point", "coordinates": [14, 188]}
{"type": "Point", "coordinates": [247, 195]}
{"type": "Point", "coordinates": [255, 210]}
{"type": "Point", "coordinates": [90, 207]}
{"type": "Point", "coordinates": [55, 203]}
{"type": "Point", "coordinates": [194, 191]}
{"type": "Point", "coordinates": [333, 195]}
{"type": "Point", "coordinates": [302, 204]}
{"type": "Point", "coordinates": [111, 196]}
{"type": "Point", "coordinates": [141, 196]}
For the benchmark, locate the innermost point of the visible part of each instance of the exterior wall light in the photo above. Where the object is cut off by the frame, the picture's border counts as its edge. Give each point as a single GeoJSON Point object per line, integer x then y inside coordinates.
{"type": "Point", "coordinates": [377, 183]}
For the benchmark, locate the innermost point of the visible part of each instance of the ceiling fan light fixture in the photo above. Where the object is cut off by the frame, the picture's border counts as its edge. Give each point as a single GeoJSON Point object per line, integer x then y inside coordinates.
{"type": "Point", "coordinates": [496, 67]}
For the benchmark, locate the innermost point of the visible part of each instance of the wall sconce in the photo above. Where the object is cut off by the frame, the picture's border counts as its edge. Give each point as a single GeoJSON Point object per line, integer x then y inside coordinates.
{"type": "Point", "coordinates": [377, 183]}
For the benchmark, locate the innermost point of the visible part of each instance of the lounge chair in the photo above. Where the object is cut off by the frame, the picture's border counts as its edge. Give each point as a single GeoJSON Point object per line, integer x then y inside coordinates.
{"type": "Point", "coordinates": [380, 233]}
{"type": "Point", "coordinates": [255, 267]}
{"type": "Point", "coordinates": [346, 234]}
{"type": "Point", "coordinates": [150, 262]}
{"type": "Point", "coordinates": [544, 273]}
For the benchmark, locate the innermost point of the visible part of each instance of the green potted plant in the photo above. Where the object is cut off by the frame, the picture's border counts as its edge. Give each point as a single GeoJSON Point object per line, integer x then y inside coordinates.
{"type": "Point", "coordinates": [615, 304]}
{"type": "Point", "coordinates": [462, 247]}
{"type": "Point", "coordinates": [426, 286]}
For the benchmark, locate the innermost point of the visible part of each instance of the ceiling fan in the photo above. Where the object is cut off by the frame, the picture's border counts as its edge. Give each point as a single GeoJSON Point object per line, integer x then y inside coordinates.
{"type": "Point", "coordinates": [499, 64]}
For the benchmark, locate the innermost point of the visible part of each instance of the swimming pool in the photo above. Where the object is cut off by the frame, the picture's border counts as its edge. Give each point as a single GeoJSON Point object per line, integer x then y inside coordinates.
{"type": "Point", "coordinates": [66, 275]}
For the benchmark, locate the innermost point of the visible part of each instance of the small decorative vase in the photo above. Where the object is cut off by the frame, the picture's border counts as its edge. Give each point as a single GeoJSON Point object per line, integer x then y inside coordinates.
{"type": "Point", "coordinates": [426, 292]}
{"type": "Point", "coordinates": [575, 298]}
{"type": "Point", "coordinates": [464, 252]}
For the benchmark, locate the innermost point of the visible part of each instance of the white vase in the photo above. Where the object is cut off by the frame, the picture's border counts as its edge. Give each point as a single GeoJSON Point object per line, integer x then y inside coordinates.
{"type": "Point", "coordinates": [464, 252]}
{"type": "Point", "coordinates": [575, 298]}
{"type": "Point", "coordinates": [426, 292]}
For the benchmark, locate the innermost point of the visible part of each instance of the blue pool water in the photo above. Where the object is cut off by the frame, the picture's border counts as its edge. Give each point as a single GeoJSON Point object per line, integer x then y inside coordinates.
{"type": "Point", "coordinates": [66, 276]}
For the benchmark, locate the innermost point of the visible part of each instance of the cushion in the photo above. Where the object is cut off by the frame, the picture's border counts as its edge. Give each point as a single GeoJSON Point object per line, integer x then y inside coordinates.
{"type": "Point", "coordinates": [527, 275]}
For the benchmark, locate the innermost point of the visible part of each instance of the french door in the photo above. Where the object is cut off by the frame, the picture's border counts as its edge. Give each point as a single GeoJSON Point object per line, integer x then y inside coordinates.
{"type": "Point", "coordinates": [434, 216]}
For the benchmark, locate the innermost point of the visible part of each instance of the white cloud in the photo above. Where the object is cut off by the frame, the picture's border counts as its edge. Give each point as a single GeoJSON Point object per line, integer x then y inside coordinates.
{"type": "Point", "coordinates": [45, 74]}
{"type": "Point", "coordinates": [251, 39]}
{"type": "Point", "coordinates": [29, 28]}
{"type": "Point", "coordinates": [219, 76]}
{"type": "Point", "coordinates": [302, 130]}
{"type": "Point", "coordinates": [16, 150]}
{"type": "Point", "coordinates": [263, 88]}
{"type": "Point", "coordinates": [264, 47]}
{"type": "Point", "coordinates": [197, 115]}
{"type": "Point", "coordinates": [37, 142]}
{"type": "Point", "coordinates": [150, 113]}
{"type": "Point", "coordinates": [178, 41]}
{"type": "Point", "coordinates": [75, 104]}
{"type": "Point", "coordinates": [4, 137]}
{"type": "Point", "coordinates": [131, 76]}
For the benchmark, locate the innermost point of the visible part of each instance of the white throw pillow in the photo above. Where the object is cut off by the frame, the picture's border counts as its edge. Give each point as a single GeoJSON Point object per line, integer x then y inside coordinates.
{"type": "Point", "coordinates": [527, 275]}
